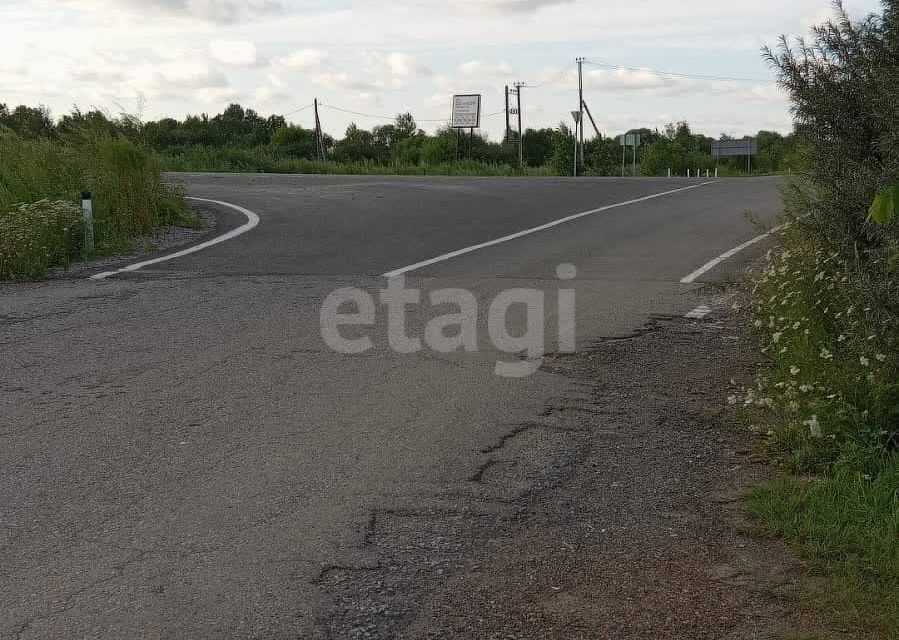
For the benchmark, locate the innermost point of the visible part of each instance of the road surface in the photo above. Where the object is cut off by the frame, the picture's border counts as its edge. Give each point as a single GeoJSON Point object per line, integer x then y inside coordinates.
{"type": "Point", "coordinates": [181, 454]}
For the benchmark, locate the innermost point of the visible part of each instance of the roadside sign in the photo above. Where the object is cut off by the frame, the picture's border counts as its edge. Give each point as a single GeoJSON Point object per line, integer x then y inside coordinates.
{"type": "Point", "coordinates": [629, 140]}
{"type": "Point", "coordinates": [734, 148]}
{"type": "Point", "coordinates": [577, 116]}
{"type": "Point", "coordinates": [467, 111]}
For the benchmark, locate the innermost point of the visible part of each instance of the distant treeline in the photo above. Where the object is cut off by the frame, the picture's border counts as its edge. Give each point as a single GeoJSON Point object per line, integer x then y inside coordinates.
{"type": "Point", "coordinates": [240, 139]}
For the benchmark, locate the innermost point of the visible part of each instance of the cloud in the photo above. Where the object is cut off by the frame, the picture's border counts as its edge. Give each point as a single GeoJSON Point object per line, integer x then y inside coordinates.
{"type": "Point", "coordinates": [269, 94]}
{"type": "Point", "coordinates": [390, 70]}
{"type": "Point", "coordinates": [481, 68]}
{"type": "Point", "coordinates": [304, 59]}
{"type": "Point", "coordinates": [365, 72]}
{"type": "Point", "coordinates": [174, 79]}
{"type": "Point", "coordinates": [502, 7]}
{"type": "Point", "coordinates": [239, 53]}
{"type": "Point", "coordinates": [215, 11]}
{"type": "Point", "coordinates": [646, 82]}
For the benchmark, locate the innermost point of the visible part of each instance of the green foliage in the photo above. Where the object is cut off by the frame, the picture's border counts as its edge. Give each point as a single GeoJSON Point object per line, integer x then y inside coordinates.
{"type": "Point", "coordinates": [827, 310]}
{"type": "Point", "coordinates": [537, 146]}
{"type": "Point", "coordinates": [846, 526]}
{"type": "Point", "coordinates": [883, 210]}
{"type": "Point", "coordinates": [129, 196]}
{"type": "Point", "coordinates": [295, 141]}
{"type": "Point", "coordinates": [832, 389]}
{"type": "Point", "coordinates": [30, 122]}
{"type": "Point", "coordinates": [270, 160]}
{"type": "Point", "coordinates": [562, 159]}
{"type": "Point", "coordinates": [36, 236]}
{"type": "Point", "coordinates": [232, 137]}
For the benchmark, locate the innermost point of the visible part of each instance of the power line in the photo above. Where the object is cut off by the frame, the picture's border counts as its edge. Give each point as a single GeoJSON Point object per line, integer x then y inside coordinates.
{"type": "Point", "coordinates": [555, 78]}
{"type": "Point", "coordinates": [308, 106]}
{"type": "Point", "coordinates": [673, 74]}
{"type": "Point", "coordinates": [377, 117]}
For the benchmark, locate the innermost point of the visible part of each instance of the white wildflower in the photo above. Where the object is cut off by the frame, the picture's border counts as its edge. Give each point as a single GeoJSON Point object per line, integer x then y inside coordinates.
{"type": "Point", "coordinates": [814, 426]}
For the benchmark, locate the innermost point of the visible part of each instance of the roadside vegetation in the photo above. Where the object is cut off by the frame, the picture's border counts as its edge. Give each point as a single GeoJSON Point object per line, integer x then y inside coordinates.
{"type": "Point", "coordinates": [827, 311]}
{"type": "Point", "coordinates": [241, 140]}
{"type": "Point", "coordinates": [44, 168]}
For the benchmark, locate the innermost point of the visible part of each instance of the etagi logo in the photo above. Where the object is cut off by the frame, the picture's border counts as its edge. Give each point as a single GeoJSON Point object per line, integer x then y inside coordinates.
{"type": "Point", "coordinates": [457, 331]}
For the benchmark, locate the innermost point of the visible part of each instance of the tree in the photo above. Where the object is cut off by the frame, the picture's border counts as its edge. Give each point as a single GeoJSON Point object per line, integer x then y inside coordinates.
{"type": "Point", "coordinates": [562, 159]}
{"type": "Point", "coordinates": [296, 141]}
{"type": "Point", "coordinates": [537, 146]}
{"type": "Point", "coordinates": [31, 122]}
{"type": "Point", "coordinates": [357, 145]}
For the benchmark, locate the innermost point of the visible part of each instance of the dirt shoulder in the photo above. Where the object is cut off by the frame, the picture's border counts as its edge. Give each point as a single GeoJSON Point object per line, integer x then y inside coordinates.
{"type": "Point", "coordinates": [616, 514]}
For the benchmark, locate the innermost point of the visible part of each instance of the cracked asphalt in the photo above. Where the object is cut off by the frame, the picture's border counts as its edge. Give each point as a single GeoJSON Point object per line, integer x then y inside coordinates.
{"type": "Point", "coordinates": [182, 456]}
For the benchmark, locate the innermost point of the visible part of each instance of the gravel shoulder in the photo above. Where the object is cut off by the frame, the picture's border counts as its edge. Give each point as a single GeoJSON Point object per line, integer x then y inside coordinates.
{"type": "Point", "coordinates": [616, 514]}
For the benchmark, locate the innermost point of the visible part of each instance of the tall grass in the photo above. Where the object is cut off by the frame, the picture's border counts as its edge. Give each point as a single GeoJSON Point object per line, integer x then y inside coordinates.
{"type": "Point", "coordinates": [268, 159]}
{"type": "Point", "coordinates": [129, 197]}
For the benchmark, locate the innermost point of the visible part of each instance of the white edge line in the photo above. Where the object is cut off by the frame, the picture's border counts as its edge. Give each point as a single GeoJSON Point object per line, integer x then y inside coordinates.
{"type": "Point", "coordinates": [526, 232]}
{"type": "Point", "coordinates": [252, 221]}
{"type": "Point", "coordinates": [699, 312]}
{"type": "Point", "coordinates": [711, 264]}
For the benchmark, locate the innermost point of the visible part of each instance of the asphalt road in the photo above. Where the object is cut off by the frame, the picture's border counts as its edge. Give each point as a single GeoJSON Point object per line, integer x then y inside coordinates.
{"type": "Point", "coordinates": [181, 455]}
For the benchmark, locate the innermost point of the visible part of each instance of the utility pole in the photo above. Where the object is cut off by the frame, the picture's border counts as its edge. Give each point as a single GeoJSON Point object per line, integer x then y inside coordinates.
{"type": "Point", "coordinates": [319, 142]}
{"type": "Point", "coordinates": [592, 121]}
{"type": "Point", "coordinates": [518, 87]}
{"type": "Point", "coordinates": [507, 114]}
{"type": "Point", "coordinates": [580, 102]}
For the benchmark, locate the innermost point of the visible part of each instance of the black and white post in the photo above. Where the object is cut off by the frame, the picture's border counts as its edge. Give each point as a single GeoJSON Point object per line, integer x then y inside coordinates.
{"type": "Point", "coordinates": [87, 215]}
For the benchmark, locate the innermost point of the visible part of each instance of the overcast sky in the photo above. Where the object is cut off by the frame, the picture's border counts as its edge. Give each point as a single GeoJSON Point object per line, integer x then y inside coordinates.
{"type": "Point", "coordinates": [173, 57]}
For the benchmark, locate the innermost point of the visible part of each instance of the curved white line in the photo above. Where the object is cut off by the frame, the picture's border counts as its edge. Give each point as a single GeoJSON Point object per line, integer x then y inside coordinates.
{"type": "Point", "coordinates": [711, 264]}
{"type": "Point", "coordinates": [252, 221]}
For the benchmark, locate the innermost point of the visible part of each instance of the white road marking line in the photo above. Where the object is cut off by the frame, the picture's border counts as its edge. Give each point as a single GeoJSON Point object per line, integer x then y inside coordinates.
{"type": "Point", "coordinates": [526, 232]}
{"type": "Point", "coordinates": [699, 312]}
{"type": "Point", "coordinates": [252, 221]}
{"type": "Point", "coordinates": [708, 266]}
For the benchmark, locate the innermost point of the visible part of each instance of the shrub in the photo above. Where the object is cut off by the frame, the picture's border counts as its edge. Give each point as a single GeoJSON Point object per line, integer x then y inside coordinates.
{"type": "Point", "coordinates": [130, 197]}
{"type": "Point", "coordinates": [36, 236]}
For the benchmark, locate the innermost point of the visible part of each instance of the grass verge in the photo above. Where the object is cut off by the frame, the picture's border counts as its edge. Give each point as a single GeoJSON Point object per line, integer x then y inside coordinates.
{"type": "Point", "coordinates": [828, 401]}
{"type": "Point", "coordinates": [41, 182]}
{"type": "Point", "coordinates": [268, 159]}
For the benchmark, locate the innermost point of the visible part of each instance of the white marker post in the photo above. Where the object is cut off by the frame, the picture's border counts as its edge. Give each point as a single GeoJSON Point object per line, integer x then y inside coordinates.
{"type": "Point", "coordinates": [87, 214]}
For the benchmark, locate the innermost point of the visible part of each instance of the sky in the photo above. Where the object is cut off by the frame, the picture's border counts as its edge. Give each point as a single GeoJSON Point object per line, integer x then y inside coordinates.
{"type": "Point", "coordinates": [156, 58]}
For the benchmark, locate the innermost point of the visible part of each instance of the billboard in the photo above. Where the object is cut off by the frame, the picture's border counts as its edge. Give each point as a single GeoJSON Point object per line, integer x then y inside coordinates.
{"type": "Point", "coordinates": [467, 111]}
{"type": "Point", "coordinates": [629, 140]}
{"type": "Point", "coordinates": [734, 148]}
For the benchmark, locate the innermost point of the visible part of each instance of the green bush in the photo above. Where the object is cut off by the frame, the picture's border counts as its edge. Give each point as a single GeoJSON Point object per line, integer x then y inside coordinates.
{"type": "Point", "coordinates": [36, 236]}
{"type": "Point", "coordinates": [268, 159]}
{"type": "Point", "coordinates": [129, 196]}
{"type": "Point", "coordinates": [832, 382]}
